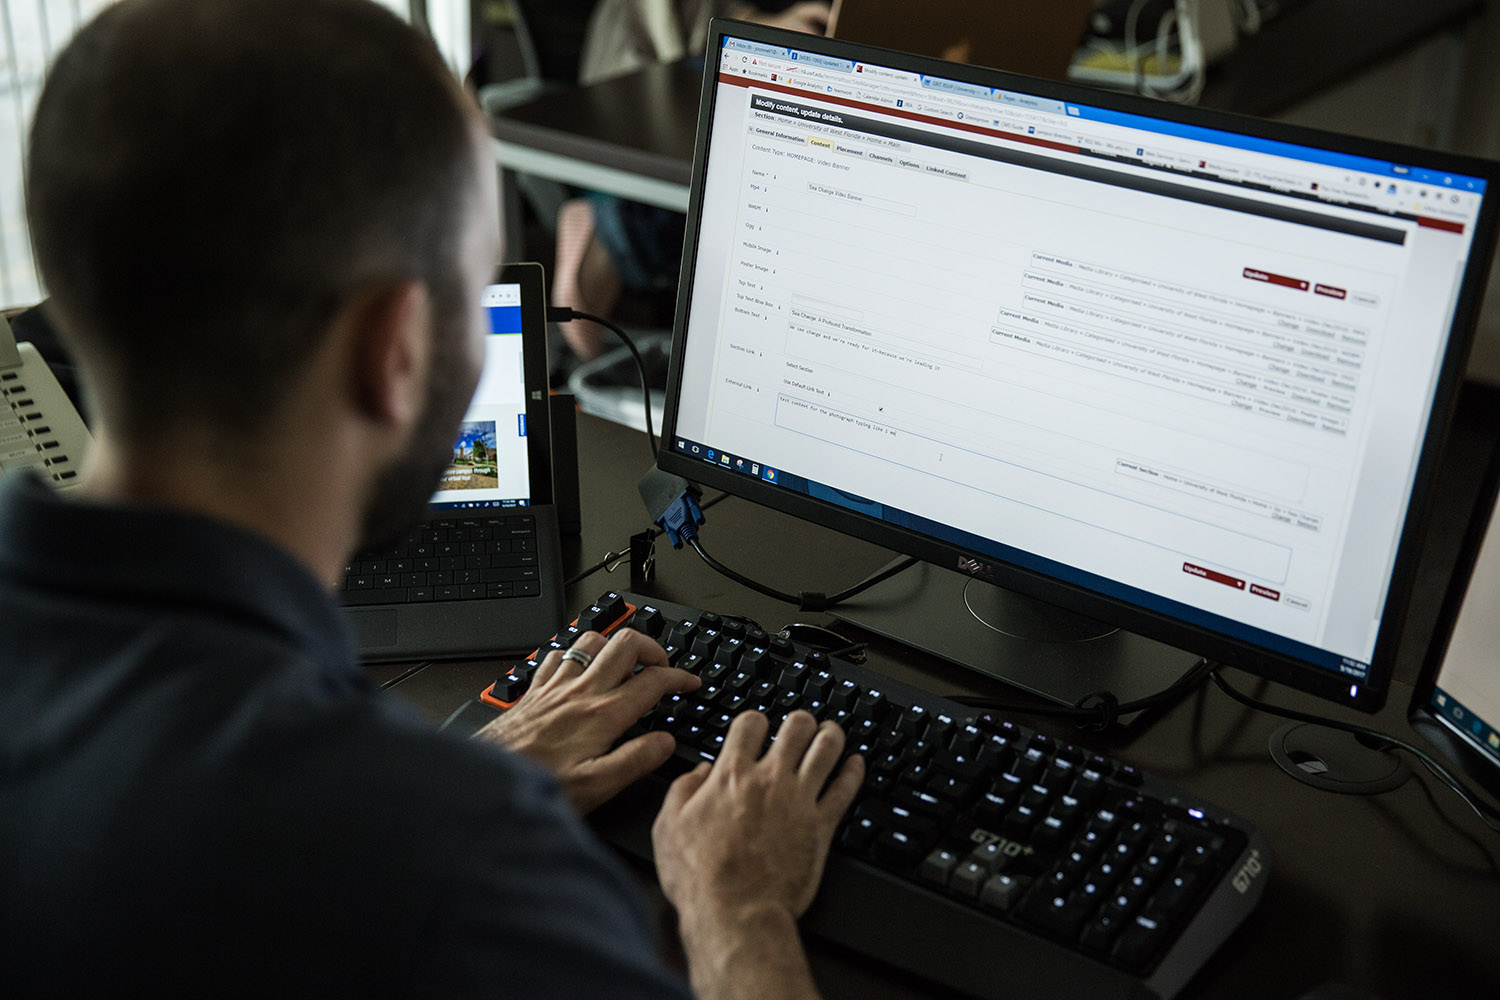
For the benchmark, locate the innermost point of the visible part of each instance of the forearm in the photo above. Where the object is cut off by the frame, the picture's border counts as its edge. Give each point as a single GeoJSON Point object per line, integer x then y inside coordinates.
{"type": "Point", "coordinates": [747, 957]}
{"type": "Point", "coordinates": [740, 849]}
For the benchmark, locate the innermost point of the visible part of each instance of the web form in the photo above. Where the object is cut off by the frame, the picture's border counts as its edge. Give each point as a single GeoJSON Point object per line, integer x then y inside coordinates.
{"type": "Point", "coordinates": [1188, 368]}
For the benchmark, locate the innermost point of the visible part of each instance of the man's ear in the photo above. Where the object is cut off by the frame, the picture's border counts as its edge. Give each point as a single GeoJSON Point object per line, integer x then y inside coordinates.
{"type": "Point", "coordinates": [390, 343]}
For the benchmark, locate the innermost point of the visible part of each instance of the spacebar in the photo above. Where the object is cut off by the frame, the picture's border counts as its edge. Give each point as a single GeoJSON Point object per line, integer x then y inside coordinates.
{"type": "Point", "coordinates": [356, 598]}
{"type": "Point", "coordinates": [954, 944]}
{"type": "Point", "coordinates": [949, 942]}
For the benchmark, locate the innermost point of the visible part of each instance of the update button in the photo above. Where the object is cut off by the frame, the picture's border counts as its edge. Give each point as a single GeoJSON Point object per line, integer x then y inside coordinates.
{"type": "Point", "coordinates": [1205, 573]}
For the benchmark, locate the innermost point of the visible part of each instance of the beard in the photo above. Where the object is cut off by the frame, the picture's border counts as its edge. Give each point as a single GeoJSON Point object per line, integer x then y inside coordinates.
{"type": "Point", "coordinates": [399, 496]}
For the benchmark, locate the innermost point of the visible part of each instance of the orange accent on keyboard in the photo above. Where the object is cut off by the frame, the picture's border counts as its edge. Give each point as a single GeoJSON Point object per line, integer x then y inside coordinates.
{"type": "Point", "coordinates": [629, 612]}
{"type": "Point", "coordinates": [488, 697]}
{"type": "Point", "coordinates": [488, 694]}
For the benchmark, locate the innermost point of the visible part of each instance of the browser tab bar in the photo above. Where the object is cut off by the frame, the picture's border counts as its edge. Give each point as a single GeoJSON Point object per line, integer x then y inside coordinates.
{"type": "Point", "coordinates": [823, 62]}
{"type": "Point", "coordinates": [756, 48]}
{"type": "Point", "coordinates": [956, 87]}
{"type": "Point", "coordinates": [882, 73]}
{"type": "Point", "coordinates": [1134, 142]}
{"type": "Point", "coordinates": [1030, 103]}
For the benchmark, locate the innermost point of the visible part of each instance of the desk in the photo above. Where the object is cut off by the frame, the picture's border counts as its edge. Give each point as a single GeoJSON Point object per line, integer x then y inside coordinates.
{"type": "Point", "coordinates": [631, 136]}
{"type": "Point", "coordinates": [1396, 894]}
{"type": "Point", "coordinates": [1316, 44]}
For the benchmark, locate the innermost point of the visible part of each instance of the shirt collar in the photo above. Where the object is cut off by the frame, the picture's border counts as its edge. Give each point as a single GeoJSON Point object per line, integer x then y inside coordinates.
{"type": "Point", "coordinates": [169, 557]}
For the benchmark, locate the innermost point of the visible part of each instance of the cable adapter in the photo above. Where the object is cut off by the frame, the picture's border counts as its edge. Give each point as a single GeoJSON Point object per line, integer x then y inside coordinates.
{"type": "Point", "coordinates": [672, 503]}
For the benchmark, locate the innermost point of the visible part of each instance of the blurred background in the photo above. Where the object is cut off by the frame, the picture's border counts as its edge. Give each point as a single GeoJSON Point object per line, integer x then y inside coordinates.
{"type": "Point", "coordinates": [1437, 88]}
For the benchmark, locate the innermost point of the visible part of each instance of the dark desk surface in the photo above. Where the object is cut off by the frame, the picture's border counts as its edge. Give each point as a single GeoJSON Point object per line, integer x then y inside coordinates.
{"type": "Point", "coordinates": [1396, 894]}
{"type": "Point", "coordinates": [1316, 44]}
{"type": "Point", "coordinates": [644, 122]}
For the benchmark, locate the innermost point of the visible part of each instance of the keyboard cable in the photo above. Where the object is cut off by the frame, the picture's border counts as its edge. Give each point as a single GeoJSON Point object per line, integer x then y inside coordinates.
{"type": "Point", "coordinates": [1098, 710]}
{"type": "Point", "coordinates": [806, 600]}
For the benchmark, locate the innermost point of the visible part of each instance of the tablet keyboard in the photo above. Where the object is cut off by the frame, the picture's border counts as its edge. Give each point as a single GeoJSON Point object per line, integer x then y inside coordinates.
{"type": "Point", "coordinates": [452, 559]}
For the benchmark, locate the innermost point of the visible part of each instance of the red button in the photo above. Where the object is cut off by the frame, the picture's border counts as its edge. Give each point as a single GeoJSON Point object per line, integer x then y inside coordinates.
{"type": "Point", "coordinates": [1255, 274]}
{"type": "Point", "coordinates": [1443, 224]}
{"type": "Point", "coordinates": [1214, 575]}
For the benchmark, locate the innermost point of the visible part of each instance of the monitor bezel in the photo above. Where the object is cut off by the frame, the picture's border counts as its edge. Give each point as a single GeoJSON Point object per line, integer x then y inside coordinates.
{"type": "Point", "coordinates": [532, 279]}
{"type": "Point", "coordinates": [1474, 762]}
{"type": "Point", "coordinates": [1368, 695]}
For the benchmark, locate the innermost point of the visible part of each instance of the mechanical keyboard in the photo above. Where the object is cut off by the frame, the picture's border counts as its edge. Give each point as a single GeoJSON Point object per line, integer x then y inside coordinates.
{"type": "Point", "coordinates": [980, 854]}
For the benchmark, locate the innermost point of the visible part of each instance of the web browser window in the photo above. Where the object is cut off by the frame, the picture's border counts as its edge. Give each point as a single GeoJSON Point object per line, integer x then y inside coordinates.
{"type": "Point", "coordinates": [1186, 367]}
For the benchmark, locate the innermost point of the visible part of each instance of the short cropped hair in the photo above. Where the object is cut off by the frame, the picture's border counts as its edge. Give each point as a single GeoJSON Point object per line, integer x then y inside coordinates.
{"type": "Point", "coordinates": [209, 180]}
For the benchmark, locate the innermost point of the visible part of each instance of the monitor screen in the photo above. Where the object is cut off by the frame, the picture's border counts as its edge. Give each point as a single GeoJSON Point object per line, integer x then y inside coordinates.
{"type": "Point", "coordinates": [490, 461]}
{"type": "Point", "coordinates": [1183, 372]}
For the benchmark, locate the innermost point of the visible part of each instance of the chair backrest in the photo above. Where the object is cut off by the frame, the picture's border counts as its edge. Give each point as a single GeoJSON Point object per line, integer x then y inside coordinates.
{"type": "Point", "coordinates": [551, 36]}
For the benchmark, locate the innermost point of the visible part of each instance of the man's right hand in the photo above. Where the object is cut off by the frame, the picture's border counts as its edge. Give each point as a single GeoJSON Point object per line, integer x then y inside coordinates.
{"type": "Point", "coordinates": [740, 848]}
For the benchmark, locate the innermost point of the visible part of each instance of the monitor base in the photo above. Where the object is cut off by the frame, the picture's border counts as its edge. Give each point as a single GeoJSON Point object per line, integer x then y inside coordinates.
{"type": "Point", "coordinates": [1028, 644]}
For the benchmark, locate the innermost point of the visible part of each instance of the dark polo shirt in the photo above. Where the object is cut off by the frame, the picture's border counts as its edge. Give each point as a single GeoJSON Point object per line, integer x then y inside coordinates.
{"type": "Point", "coordinates": [200, 793]}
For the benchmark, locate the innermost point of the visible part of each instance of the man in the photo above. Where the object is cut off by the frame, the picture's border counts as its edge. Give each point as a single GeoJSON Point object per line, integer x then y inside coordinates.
{"type": "Point", "coordinates": [264, 225]}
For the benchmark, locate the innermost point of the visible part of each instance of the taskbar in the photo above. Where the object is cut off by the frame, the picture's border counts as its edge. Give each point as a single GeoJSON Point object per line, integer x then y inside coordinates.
{"type": "Point", "coordinates": [724, 460]}
{"type": "Point", "coordinates": [1463, 719]}
{"type": "Point", "coordinates": [452, 505]}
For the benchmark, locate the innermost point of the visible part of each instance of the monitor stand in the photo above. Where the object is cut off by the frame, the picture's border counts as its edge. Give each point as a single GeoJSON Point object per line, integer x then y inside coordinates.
{"type": "Point", "coordinates": [1026, 643]}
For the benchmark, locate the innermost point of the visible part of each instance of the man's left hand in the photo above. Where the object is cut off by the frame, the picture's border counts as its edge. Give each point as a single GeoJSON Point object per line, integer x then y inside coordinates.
{"type": "Point", "coordinates": [572, 714]}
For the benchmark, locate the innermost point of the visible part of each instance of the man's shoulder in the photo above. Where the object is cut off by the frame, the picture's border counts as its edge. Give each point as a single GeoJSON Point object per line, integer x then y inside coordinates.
{"type": "Point", "coordinates": [490, 845]}
{"type": "Point", "coordinates": [388, 752]}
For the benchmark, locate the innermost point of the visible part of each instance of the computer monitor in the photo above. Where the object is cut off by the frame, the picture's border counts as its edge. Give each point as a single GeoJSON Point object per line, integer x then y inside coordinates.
{"type": "Point", "coordinates": [1183, 373]}
{"type": "Point", "coordinates": [1456, 705]}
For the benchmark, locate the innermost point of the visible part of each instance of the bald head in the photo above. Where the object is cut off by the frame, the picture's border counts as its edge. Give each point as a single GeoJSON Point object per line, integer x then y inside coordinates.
{"type": "Point", "coordinates": [209, 180]}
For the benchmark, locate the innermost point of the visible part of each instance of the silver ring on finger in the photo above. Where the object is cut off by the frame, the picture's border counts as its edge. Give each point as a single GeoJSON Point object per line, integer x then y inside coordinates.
{"type": "Point", "coordinates": [580, 656]}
